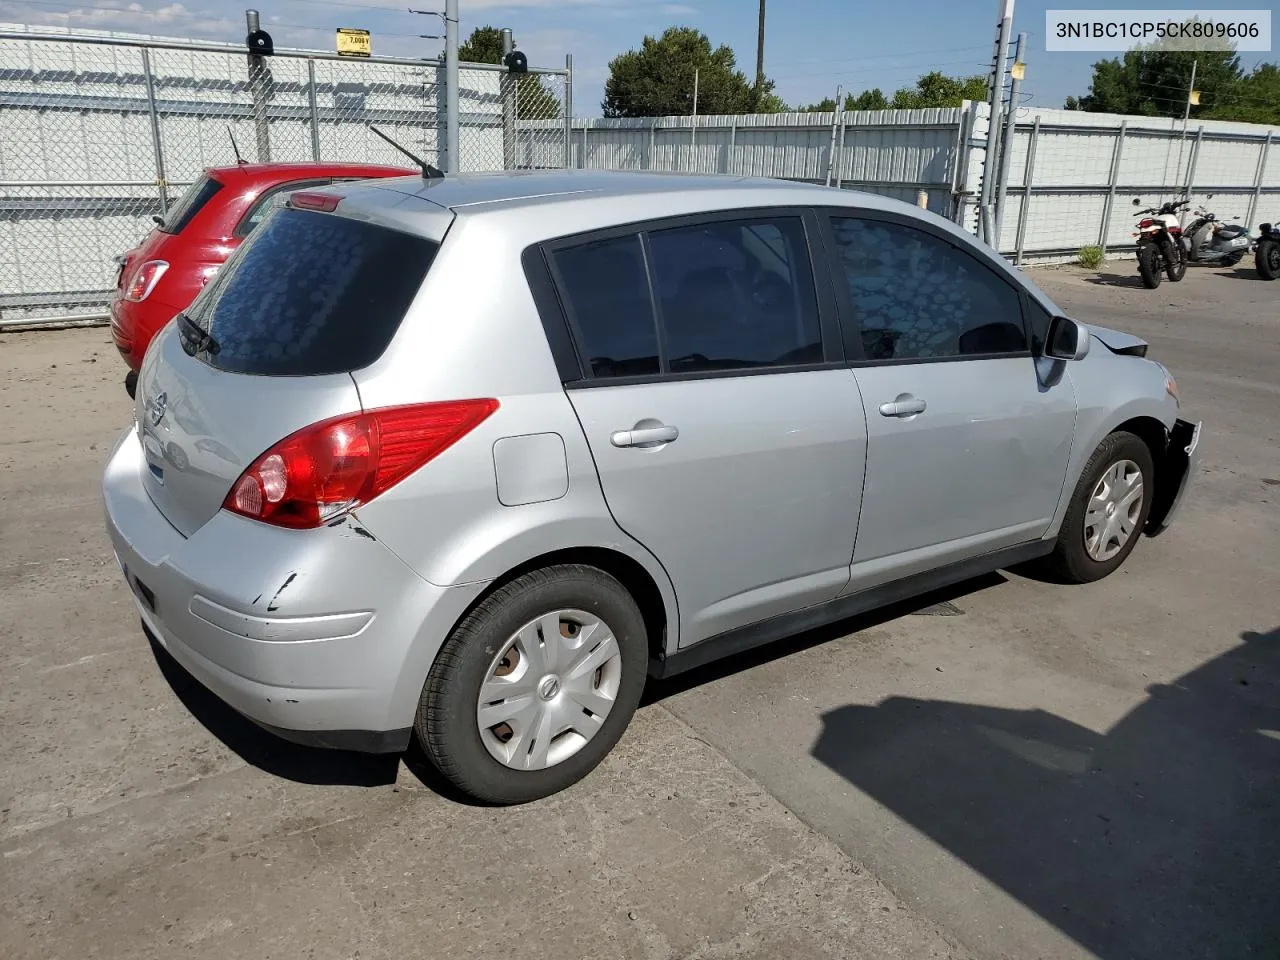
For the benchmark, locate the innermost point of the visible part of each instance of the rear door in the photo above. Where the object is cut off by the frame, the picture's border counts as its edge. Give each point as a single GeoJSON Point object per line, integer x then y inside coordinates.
{"type": "Point", "coordinates": [968, 437]}
{"type": "Point", "coordinates": [728, 436]}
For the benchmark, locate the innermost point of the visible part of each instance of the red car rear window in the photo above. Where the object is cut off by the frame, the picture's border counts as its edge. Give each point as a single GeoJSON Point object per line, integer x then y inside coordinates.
{"type": "Point", "coordinates": [190, 203]}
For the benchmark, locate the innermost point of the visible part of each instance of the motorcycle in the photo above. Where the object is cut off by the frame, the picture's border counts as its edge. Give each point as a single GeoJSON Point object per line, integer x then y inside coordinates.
{"type": "Point", "coordinates": [1208, 240]}
{"type": "Point", "coordinates": [1160, 247]}
{"type": "Point", "coordinates": [1266, 255]}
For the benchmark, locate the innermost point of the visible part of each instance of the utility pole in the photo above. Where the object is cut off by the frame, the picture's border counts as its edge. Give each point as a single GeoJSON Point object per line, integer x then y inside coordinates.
{"type": "Point", "coordinates": [509, 84]}
{"type": "Point", "coordinates": [1006, 141]}
{"type": "Point", "coordinates": [1186, 115]}
{"type": "Point", "coordinates": [835, 125]}
{"type": "Point", "coordinates": [260, 90]}
{"type": "Point", "coordinates": [760, 50]}
{"type": "Point", "coordinates": [453, 152]}
{"type": "Point", "coordinates": [991, 163]}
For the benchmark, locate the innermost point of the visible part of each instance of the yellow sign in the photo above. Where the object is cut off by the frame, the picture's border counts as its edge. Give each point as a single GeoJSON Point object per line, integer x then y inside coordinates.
{"type": "Point", "coordinates": [1195, 97]}
{"type": "Point", "coordinates": [1018, 71]}
{"type": "Point", "coordinates": [353, 42]}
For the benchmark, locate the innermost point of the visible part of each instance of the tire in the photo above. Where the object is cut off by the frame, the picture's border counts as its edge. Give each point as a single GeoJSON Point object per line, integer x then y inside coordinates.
{"type": "Point", "coordinates": [491, 638]}
{"type": "Point", "coordinates": [1175, 259]}
{"type": "Point", "coordinates": [1149, 266]}
{"type": "Point", "coordinates": [1071, 560]}
{"type": "Point", "coordinates": [1232, 260]}
{"type": "Point", "coordinates": [1267, 259]}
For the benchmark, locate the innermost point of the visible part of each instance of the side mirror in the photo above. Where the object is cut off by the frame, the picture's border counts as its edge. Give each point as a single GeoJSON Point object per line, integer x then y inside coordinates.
{"type": "Point", "coordinates": [1067, 340]}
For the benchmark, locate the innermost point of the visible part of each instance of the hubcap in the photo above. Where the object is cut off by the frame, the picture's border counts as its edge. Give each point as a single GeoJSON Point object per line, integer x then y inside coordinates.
{"type": "Point", "coordinates": [1273, 257]}
{"type": "Point", "coordinates": [1111, 516]}
{"type": "Point", "coordinates": [549, 690]}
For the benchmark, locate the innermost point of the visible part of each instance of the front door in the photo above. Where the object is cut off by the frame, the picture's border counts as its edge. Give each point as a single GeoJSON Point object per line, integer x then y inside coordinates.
{"type": "Point", "coordinates": [728, 440]}
{"type": "Point", "coordinates": [967, 442]}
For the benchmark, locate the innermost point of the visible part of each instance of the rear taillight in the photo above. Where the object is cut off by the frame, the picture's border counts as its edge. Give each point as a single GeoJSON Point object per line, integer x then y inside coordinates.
{"type": "Point", "coordinates": [330, 467]}
{"type": "Point", "coordinates": [1143, 224]}
{"type": "Point", "coordinates": [144, 280]}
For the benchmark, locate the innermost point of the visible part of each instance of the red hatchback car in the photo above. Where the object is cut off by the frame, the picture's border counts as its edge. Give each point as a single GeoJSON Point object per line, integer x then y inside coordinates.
{"type": "Point", "coordinates": [160, 277]}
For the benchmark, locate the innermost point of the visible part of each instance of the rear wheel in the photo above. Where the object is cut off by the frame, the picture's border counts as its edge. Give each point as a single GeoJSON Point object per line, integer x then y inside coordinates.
{"type": "Point", "coordinates": [1175, 259]}
{"type": "Point", "coordinates": [1232, 260]}
{"type": "Point", "coordinates": [536, 685]}
{"type": "Point", "coordinates": [1267, 259]}
{"type": "Point", "coordinates": [1107, 512]}
{"type": "Point", "coordinates": [1149, 266]}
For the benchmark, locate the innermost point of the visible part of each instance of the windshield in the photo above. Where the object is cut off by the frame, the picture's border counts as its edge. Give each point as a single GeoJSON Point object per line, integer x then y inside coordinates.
{"type": "Point", "coordinates": [308, 294]}
{"type": "Point", "coordinates": [189, 204]}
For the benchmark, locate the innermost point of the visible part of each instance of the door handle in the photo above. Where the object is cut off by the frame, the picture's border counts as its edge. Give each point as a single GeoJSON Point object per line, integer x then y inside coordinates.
{"type": "Point", "coordinates": [904, 405]}
{"type": "Point", "coordinates": [643, 436]}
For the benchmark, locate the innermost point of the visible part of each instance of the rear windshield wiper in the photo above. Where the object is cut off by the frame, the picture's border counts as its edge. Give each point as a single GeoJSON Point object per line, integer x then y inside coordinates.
{"type": "Point", "coordinates": [195, 339]}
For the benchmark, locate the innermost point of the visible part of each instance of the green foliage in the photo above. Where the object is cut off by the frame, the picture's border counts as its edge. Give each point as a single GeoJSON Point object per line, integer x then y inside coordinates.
{"type": "Point", "coordinates": [1090, 257]}
{"type": "Point", "coordinates": [533, 100]}
{"type": "Point", "coordinates": [1153, 81]}
{"type": "Point", "coordinates": [931, 90]}
{"type": "Point", "coordinates": [937, 90]}
{"type": "Point", "coordinates": [657, 79]}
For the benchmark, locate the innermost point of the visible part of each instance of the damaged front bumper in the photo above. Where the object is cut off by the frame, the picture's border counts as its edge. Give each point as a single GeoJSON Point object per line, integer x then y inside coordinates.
{"type": "Point", "coordinates": [1175, 473]}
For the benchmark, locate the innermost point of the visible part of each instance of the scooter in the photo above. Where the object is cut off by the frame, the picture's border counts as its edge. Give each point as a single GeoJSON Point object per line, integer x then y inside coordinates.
{"type": "Point", "coordinates": [1266, 256]}
{"type": "Point", "coordinates": [1208, 240]}
{"type": "Point", "coordinates": [1160, 247]}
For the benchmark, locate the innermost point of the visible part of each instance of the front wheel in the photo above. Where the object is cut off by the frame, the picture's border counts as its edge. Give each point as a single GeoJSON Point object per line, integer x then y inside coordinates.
{"type": "Point", "coordinates": [1267, 259]}
{"type": "Point", "coordinates": [1107, 512]}
{"type": "Point", "coordinates": [1175, 259]}
{"type": "Point", "coordinates": [535, 686]}
{"type": "Point", "coordinates": [1149, 266]}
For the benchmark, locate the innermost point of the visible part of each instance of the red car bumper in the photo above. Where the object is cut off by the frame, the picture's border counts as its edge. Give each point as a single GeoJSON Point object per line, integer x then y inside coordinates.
{"type": "Point", "coordinates": [133, 325]}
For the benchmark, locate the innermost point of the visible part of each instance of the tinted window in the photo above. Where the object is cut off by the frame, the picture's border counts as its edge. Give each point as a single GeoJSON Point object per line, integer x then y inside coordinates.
{"type": "Point", "coordinates": [270, 200]}
{"type": "Point", "coordinates": [311, 293]}
{"type": "Point", "coordinates": [607, 293]}
{"type": "Point", "coordinates": [736, 294]}
{"type": "Point", "coordinates": [1038, 318]}
{"type": "Point", "coordinates": [916, 296]}
{"type": "Point", "coordinates": [189, 204]}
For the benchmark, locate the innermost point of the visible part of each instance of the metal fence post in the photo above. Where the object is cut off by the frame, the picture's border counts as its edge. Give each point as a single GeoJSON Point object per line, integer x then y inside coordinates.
{"type": "Point", "coordinates": [1028, 179]}
{"type": "Point", "coordinates": [653, 124]}
{"type": "Point", "coordinates": [509, 85]}
{"type": "Point", "coordinates": [259, 84]}
{"type": "Point", "coordinates": [733, 145]}
{"type": "Point", "coordinates": [568, 112]}
{"type": "Point", "coordinates": [315, 110]}
{"type": "Point", "coordinates": [161, 181]}
{"type": "Point", "coordinates": [844, 125]}
{"type": "Point", "coordinates": [452, 148]}
{"type": "Point", "coordinates": [1104, 229]}
{"type": "Point", "coordinates": [1257, 179]}
{"type": "Point", "coordinates": [1193, 160]}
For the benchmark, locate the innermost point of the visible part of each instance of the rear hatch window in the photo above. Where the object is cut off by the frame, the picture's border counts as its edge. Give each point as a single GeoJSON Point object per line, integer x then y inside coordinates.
{"type": "Point", "coordinates": [189, 204]}
{"type": "Point", "coordinates": [307, 294]}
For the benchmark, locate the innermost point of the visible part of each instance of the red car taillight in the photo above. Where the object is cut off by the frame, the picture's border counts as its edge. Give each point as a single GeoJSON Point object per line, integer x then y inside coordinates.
{"type": "Point", "coordinates": [330, 467]}
{"type": "Point", "coordinates": [144, 280]}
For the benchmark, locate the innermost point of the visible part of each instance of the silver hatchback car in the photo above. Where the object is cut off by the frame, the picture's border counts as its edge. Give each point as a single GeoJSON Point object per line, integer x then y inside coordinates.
{"type": "Point", "coordinates": [472, 457]}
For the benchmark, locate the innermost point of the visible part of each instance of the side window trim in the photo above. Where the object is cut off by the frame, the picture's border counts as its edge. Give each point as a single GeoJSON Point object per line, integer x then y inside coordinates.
{"type": "Point", "coordinates": [852, 333]}
{"type": "Point", "coordinates": [815, 248]}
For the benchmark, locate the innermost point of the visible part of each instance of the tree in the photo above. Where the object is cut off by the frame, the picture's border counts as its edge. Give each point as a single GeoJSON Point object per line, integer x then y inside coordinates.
{"type": "Point", "coordinates": [657, 80]}
{"type": "Point", "coordinates": [1153, 80]}
{"type": "Point", "coordinates": [867, 100]}
{"type": "Point", "coordinates": [936, 90]}
{"type": "Point", "coordinates": [533, 100]}
{"type": "Point", "coordinates": [1255, 99]}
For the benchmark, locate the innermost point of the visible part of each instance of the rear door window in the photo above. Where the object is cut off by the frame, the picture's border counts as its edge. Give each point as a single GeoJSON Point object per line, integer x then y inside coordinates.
{"type": "Point", "coordinates": [606, 290]}
{"type": "Point", "coordinates": [189, 204]}
{"type": "Point", "coordinates": [310, 293]}
{"type": "Point", "coordinates": [736, 294]}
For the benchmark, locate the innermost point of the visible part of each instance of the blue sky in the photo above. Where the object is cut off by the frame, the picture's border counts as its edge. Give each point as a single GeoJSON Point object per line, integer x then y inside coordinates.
{"type": "Point", "coordinates": [810, 45]}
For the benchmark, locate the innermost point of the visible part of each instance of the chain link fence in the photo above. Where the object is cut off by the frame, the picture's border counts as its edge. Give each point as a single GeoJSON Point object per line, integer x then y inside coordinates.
{"type": "Point", "coordinates": [103, 133]}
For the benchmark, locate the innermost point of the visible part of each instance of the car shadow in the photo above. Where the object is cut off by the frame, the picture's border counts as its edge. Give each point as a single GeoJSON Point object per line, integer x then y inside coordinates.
{"type": "Point", "coordinates": [1242, 273]}
{"type": "Point", "coordinates": [936, 603]}
{"type": "Point", "coordinates": [1158, 838]}
{"type": "Point", "coordinates": [1115, 280]}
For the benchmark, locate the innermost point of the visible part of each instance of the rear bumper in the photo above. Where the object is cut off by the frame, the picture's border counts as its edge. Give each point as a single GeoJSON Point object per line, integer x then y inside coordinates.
{"type": "Point", "coordinates": [1181, 462]}
{"type": "Point", "coordinates": [321, 636]}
